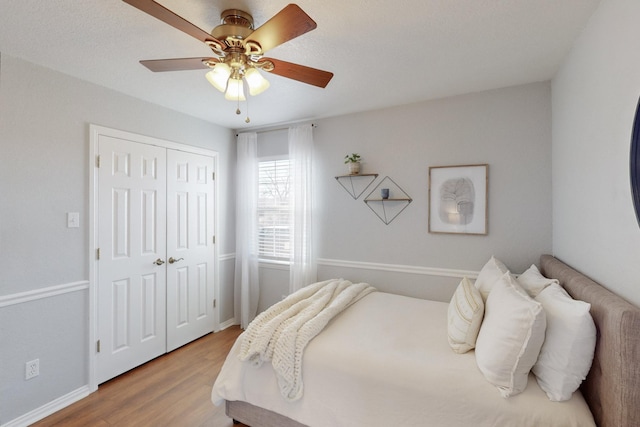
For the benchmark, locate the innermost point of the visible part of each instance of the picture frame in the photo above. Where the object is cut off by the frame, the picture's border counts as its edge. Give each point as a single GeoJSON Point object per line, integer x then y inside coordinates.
{"type": "Point", "coordinates": [458, 199]}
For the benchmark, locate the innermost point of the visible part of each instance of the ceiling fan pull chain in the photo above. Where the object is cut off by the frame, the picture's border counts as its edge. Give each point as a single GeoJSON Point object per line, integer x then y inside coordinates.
{"type": "Point", "coordinates": [247, 120]}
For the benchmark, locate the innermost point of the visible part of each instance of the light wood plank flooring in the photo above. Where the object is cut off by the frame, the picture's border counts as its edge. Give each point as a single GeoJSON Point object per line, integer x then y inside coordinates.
{"type": "Point", "coordinates": [172, 390]}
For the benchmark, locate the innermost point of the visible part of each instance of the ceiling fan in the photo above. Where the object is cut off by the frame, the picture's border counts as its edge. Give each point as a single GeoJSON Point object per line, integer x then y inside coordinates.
{"type": "Point", "coordinates": [238, 49]}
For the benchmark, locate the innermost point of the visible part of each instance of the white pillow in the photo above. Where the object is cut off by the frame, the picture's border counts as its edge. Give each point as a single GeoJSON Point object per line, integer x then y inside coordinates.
{"type": "Point", "coordinates": [510, 337]}
{"type": "Point", "coordinates": [493, 270]}
{"type": "Point", "coordinates": [533, 282]}
{"type": "Point", "coordinates": [465, 313]}
{"type": "Point", "coordinates": [567, 352]}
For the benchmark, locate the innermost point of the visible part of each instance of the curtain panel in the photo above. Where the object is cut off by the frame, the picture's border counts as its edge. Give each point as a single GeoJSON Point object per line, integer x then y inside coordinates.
{"type": "Point", "coordinates": [303, 268]}
{"type": "Point", "coordinates": [246, 289]}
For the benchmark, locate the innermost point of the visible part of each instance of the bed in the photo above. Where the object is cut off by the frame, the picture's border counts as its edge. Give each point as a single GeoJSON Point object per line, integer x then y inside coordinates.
{"type": "Point", "coordinates": [346, 365]}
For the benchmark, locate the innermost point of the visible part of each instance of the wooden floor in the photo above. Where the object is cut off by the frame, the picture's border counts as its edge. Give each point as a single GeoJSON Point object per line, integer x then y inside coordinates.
{"type": "Point", "coordinates": [172, 390]}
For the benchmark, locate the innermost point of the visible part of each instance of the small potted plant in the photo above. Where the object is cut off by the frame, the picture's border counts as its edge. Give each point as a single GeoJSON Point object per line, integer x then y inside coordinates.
{"type": "Point", "coordinates": [353, 160]}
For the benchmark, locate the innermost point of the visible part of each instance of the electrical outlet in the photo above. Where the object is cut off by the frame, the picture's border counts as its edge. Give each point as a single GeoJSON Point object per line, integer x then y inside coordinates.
{"type": "Point", "coordinates": [32, 369]}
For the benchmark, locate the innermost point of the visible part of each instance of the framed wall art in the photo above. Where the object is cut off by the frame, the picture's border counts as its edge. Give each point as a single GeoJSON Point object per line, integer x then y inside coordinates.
{"type": "Point", "coordinates": [458, 199]}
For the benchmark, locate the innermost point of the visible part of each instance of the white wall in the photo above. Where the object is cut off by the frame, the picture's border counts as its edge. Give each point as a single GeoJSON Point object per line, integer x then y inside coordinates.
{"type": "Point", "coordinates": [594, 99]}
{"type": "Point", "coordinates": [510, 129]}
{"type": "Point", "coordinates": [44, 172]}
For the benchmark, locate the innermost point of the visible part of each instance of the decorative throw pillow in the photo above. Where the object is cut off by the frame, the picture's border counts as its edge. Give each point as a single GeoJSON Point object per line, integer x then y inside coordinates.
{"type": "Point", "coordinates": [466, 310]}
{"type": "Point", "coordinates": [493, 270]}
{"type": "Point", "coordinates": [533, 282]}
{"type": "Point", "coordinates": [567, 352]}
{"type": "Point", "coordinates": [510, 337]}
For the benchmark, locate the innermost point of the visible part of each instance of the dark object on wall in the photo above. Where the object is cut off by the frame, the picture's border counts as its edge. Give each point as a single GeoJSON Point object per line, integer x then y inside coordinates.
{"type": "Point", "coordinates": [634, 163]}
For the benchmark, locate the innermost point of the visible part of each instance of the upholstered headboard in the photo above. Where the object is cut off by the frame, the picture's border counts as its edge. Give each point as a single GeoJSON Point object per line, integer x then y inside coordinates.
{"type": "Point", "coordinates": [612, 388]}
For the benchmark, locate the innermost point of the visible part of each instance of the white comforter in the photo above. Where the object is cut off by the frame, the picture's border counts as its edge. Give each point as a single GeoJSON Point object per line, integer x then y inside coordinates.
{"type": "Point", "coordinates": [281, 333]}
{"type": "Point", "coordinates": [385, 361]}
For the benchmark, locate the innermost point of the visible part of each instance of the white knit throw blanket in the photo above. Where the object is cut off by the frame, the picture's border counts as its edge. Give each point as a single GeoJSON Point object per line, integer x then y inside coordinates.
{"type": "Point", "coordinates": [281, 333]}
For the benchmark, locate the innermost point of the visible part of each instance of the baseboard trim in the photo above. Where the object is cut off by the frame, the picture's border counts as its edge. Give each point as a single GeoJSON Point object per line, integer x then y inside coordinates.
{"type": "Point", "coordinates": [226, 257]}
{"type": "Point", "coordinates": [228, 323]}
{"type": "Point", "coordinates": [398, 268]}
{"type": "Point", "coordinates": [49, 408]}
{"type": "Point", "coordinates": [47, 292]}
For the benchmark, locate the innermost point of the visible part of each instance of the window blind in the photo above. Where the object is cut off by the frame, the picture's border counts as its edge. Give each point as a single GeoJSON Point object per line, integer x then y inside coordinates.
{"type": "Point", "coordinates": [273, 209]}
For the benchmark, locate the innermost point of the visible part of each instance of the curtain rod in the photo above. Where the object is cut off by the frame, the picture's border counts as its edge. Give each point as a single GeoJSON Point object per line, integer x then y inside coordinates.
{"type": "Point", "coordinates": [313, 125]}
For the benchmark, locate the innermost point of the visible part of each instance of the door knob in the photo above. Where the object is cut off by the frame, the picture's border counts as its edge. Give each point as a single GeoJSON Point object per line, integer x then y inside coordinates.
{"type": "Point", "coordinates": [158, 262]}
{"type": "Point", "coordinates": [172, 260]}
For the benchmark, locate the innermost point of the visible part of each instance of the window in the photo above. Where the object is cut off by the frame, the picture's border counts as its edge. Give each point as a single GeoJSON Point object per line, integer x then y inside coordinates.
{"type": "Point", "coordinates": [273, 209]}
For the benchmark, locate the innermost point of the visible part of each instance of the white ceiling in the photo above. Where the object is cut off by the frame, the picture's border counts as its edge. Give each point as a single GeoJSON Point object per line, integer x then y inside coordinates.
{"type": "Point", "coordinates": [383, 53]}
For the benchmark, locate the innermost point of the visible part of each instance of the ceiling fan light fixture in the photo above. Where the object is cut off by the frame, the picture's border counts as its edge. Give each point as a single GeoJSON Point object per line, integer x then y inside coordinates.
{"type": "Point", "coordinates": [256, 82]}
{"type": "Point", "coordinates": [219, 76]}
{"type": "Point", "coordinates": [235, 90]}
{"type": "Point", "coordinates": [238, 48]}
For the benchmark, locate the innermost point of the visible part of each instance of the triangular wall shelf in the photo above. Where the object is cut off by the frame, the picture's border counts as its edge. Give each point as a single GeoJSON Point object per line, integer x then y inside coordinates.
{"type": "Point", "coordinates": [356, 184]}
{"type": "Point", "coordinates": [389, 207]}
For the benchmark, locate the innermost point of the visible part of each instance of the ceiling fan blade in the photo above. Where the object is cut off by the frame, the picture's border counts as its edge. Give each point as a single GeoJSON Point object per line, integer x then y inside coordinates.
{"type": "Point", "coordinates": [165, 15]}
{"type": "Point", "coordinates": [300, 73]}
{"type": "Point", "coordinates": [177, 64]}
{"type": "Point", "coordinates": [286, 25]}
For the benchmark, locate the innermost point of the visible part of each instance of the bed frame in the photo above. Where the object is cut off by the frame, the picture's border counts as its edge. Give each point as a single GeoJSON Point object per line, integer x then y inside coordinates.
{"type": "Point", "coordinates": [612, 388]}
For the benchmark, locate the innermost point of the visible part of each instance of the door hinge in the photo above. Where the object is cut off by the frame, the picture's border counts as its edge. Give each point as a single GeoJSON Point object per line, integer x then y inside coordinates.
{"type": "Point", "coordinates": [98, 161]}
{"type": "Point", "coordinates": [98, 346]}
{"type": "Point", "coordinates": [214, 303]}
{"type": "Point", "coordinates": [213, 176]}
{"type": "Point", "coordinates": [214, 240]}
{"type": "Point", "coordinates": [98, 253]}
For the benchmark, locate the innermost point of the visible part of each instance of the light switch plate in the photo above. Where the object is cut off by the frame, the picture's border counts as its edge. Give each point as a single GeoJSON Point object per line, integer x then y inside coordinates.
{"type": "Point", "coordinates": [73, 219]}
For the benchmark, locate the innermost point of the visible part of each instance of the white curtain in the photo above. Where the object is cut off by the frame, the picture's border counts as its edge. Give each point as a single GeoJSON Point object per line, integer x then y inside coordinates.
{"type": "Point", "coordinates": [303, 269]}
{"type": "Point", "coordinates": [246, 273]}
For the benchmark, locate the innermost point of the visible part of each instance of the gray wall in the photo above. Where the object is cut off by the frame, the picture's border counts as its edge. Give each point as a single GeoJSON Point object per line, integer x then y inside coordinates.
{"type": "Point", "coordinates": [594, 100]}
{"type": "Point", "coordinates": [510, 129]}
{"type": "Point", "coordinates": [44, 172]}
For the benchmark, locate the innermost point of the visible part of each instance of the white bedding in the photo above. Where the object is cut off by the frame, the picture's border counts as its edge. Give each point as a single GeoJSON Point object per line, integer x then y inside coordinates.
{"type": "Point", "coordinates": [386, 361]}
{"type": "Point", "coordinates": [280, 334]}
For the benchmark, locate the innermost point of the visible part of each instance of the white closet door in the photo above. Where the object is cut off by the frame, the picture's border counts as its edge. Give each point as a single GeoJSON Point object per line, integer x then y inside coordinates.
{"type": "Point", "coordinates": [190, 247]}
{"type": "Point", "coordinates": [132, 241]}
